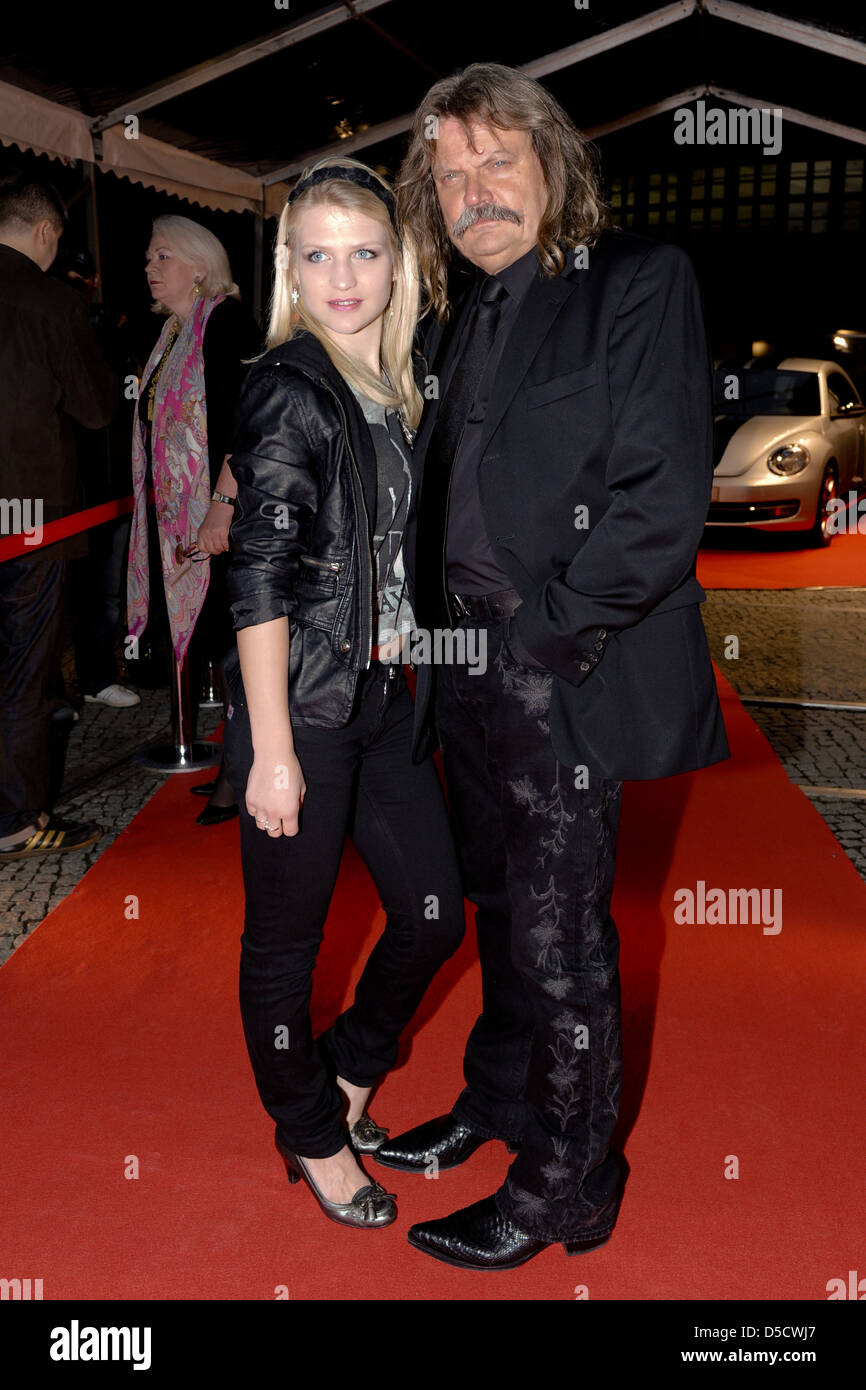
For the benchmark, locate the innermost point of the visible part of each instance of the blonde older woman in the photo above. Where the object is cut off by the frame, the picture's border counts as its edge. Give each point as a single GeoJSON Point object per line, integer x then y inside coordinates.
{"type": "Point", "coordinates": [181, 436]}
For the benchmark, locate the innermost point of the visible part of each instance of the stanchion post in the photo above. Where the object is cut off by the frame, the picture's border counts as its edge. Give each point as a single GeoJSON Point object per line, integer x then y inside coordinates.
{"type": "Point", "coordinates": [210, 696]}
{"type": "Point", "coordinates": [183, 754]}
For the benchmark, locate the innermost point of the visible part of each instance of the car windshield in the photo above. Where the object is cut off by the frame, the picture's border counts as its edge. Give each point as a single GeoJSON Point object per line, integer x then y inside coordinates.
{"type": "Point", "coordinates": [767, 393]}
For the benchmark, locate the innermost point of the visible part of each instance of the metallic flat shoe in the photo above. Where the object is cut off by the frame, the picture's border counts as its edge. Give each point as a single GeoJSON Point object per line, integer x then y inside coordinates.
{"type": "Point", "coordinates": [370, 1205]}
{"type": "Point", "coordinates": [365, 1136]}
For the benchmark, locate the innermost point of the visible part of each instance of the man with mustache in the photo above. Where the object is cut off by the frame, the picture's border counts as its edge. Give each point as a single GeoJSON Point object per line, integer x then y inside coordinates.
{"type": "Point", "coordinates": [567, 467]}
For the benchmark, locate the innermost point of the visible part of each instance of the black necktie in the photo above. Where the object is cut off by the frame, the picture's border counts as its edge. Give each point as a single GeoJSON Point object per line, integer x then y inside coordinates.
{"type": "Point", "coordinates": [442, 451]}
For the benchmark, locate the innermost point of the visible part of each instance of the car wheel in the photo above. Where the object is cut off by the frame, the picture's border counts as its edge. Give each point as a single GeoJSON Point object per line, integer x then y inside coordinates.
{"type": "Point", "coordinates": [821, 534]}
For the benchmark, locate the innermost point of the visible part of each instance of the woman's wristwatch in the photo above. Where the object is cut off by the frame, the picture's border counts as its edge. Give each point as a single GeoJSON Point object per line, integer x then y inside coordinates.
{"type": "Point", "coordinates": [221, 497]}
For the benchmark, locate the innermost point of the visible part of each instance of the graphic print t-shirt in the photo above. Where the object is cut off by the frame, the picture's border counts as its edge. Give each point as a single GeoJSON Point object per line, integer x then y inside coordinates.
{"type": "Point", "coordinates": [393, 495]}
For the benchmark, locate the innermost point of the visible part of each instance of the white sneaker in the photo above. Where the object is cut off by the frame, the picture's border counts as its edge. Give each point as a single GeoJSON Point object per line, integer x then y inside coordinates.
{"type": "Point", "coordinates": [116, 695]}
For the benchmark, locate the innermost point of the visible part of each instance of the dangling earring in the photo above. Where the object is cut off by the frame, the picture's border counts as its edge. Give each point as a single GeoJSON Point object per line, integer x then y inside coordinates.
{"type": "Point", "coordinates": [295, 295]}
{"type": "Point", "coordinates": [196, 287]}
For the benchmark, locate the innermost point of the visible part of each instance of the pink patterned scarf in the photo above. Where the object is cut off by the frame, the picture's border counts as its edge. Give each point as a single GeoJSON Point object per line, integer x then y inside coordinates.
{"type": "Point", "coordinates": [181, 480]}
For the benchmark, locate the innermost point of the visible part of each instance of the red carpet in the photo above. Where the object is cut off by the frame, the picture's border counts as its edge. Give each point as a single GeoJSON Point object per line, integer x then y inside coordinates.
{"type": "Point", "coordinates": [756, 561]}
{"type": "Point", "coordinates": [122, 1038]}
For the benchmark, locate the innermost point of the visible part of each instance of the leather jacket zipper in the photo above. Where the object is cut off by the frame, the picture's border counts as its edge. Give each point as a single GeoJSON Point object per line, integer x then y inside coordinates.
{"type": "Point", "coordinates": [335, 565]}
{"type": "Point", "coordinates": [366, 573]}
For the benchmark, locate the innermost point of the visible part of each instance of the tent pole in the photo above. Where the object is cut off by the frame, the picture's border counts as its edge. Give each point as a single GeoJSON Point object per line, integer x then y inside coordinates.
{"type": "Point", "coordinates": [93, 231]}
{"type": "Point", "coordinates": [258, 259]}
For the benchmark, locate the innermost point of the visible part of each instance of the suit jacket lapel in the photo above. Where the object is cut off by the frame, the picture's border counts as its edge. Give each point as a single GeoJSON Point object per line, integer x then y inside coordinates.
{"type": "Point", "coordinates": [437, 348]}
{"type": "Point", "coordinates": [541, 304]}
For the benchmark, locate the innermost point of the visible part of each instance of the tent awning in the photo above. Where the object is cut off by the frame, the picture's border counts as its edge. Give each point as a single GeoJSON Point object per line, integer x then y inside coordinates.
{"type": "Point", "coordinates": [32, 122]}
{"type": "Point", "coordinates": [46, 127]}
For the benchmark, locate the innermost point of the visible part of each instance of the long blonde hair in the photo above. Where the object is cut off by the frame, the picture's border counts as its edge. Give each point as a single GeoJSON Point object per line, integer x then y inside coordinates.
{"type": "Point", "coordinates": [401, 315]}
{"type": "Point", "coordinates": [499, 96]}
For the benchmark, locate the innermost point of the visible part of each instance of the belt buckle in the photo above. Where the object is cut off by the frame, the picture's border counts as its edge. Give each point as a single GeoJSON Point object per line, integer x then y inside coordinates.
{"type": "Point", "coordinates": [462, 610]}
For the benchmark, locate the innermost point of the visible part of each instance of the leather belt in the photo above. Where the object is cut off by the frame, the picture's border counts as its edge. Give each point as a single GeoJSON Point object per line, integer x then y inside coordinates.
{"type": "Point", "coordinates": [499, 605]}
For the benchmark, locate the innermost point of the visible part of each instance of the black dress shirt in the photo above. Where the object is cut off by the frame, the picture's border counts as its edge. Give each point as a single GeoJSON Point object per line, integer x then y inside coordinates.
{"type": "Point", "coordinates": [471, 566]}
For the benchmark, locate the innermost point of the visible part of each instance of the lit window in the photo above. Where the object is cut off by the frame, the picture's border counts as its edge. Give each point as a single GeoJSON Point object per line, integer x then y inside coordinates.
{"type": "Point", "coordinates": [653, 217]}
{"type": "Point", "coordinates": [746, 190]}
{"type": "Point", "coordinates": [716, 214]}
{"type": "Point", "coordinates": [655, 179]}
{"type": "Point", "coordinates": [797, 186]}
{"type": "Point", "coordinates": [820, 185]}
{"type": "Point", "coordinates": [697, 215]}
{"type": "Point", "coordinates": [655, 195]}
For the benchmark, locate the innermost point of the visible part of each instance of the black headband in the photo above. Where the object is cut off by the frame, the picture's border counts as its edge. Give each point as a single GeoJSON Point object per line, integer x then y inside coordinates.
{"type": "Point", "coordinates": [345, 171]}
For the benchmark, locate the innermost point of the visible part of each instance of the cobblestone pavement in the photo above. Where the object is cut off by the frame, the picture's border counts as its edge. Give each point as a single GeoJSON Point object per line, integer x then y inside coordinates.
{"type": "Point", "coordinates": [104, 784]}
{"type": "Point", "coordinates": [799, 644]}
{"type": "Point", "coordinates": [807, 644]}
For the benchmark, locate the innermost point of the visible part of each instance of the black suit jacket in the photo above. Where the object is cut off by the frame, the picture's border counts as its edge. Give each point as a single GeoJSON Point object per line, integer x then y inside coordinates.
{"type": "Point", "coordinates": [53, 374]}
{"type": "Point", "coordinates": [595, 478]}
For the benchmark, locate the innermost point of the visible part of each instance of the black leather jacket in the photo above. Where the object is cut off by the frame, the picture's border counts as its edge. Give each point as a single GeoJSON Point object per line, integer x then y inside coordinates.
{"type": "Point", "coordinates": [301, 540]}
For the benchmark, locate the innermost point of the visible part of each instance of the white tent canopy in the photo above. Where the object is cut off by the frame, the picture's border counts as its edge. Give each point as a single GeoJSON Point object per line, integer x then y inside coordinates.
{"type": "Point", "coordinates": [31, 122]}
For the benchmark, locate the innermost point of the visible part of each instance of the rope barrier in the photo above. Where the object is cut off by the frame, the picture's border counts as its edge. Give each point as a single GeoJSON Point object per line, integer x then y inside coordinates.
{"type": "Point", "coordinates": [182, 753]}
{"type": "Point", "coordinates": [18, 543]}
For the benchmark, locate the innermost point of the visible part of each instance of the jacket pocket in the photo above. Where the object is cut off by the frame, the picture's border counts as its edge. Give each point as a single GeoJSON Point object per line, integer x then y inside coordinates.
{"type": "Point", "coordinates": [318, 578]}
{"type": "Point", "coordinates": [566, 385]}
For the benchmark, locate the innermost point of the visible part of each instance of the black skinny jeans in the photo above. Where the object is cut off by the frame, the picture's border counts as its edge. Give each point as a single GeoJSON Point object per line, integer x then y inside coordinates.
{"type": "Point", "coordinates": [360, 781]}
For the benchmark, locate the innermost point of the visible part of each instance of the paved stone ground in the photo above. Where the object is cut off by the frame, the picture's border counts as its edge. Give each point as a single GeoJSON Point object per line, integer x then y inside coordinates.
{"type": "Point", "coordinates": [802, 643]}
{"type": "Point", "coordinates": [104, 784]}
{"type": "Point", "coordinates": [792, 643]}
{"type": "Point", "coordinates": [805, 644]}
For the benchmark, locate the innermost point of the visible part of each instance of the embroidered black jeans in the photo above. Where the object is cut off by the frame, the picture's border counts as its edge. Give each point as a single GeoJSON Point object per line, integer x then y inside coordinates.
{"type": "Point", "coordinates": [537, 846]}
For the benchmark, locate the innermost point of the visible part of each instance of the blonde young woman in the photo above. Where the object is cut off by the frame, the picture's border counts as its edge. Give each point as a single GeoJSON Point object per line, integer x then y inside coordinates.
{"type": "Point", "coordinates": [320, 730]}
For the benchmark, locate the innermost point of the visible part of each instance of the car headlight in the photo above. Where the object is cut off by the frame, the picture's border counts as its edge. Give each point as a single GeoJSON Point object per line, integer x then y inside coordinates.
{"type": "Point", "coordinates": [791, 458]}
